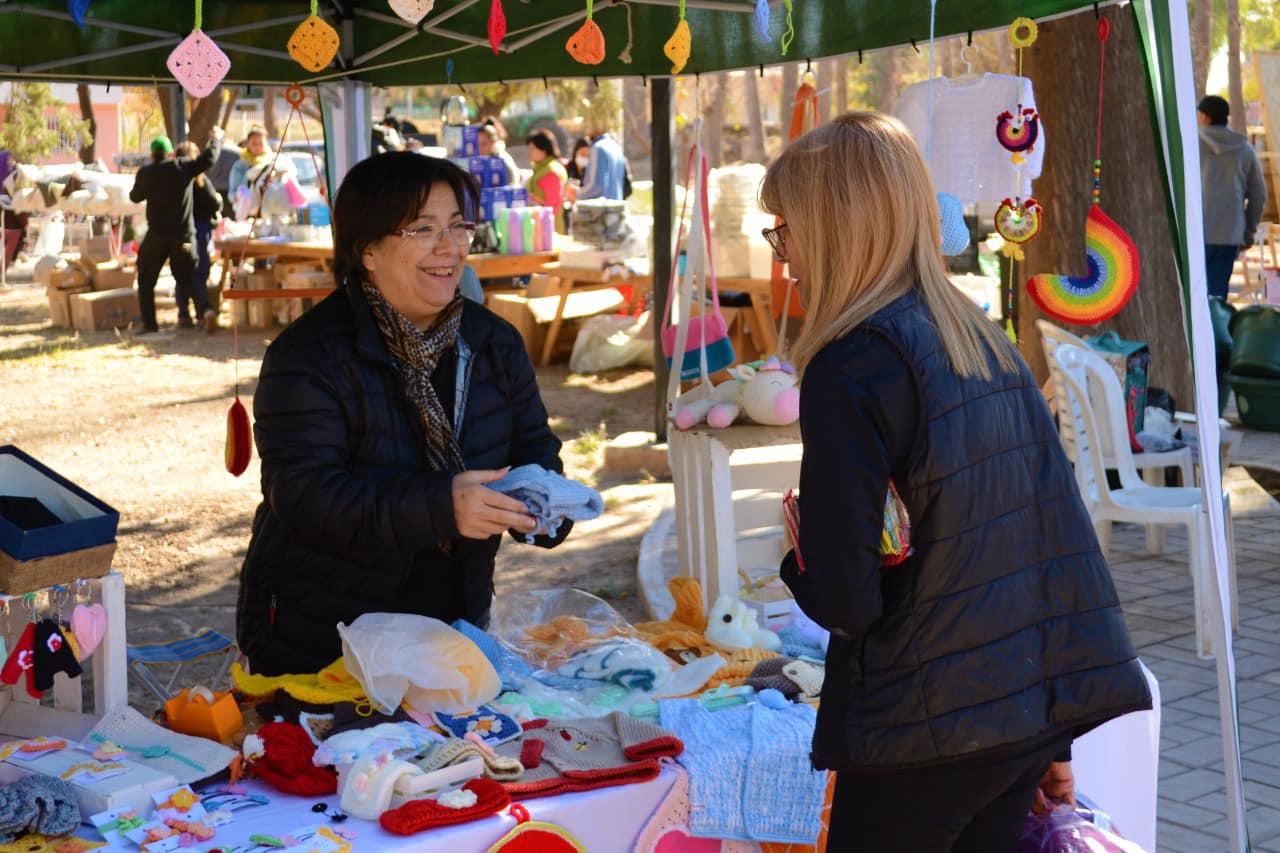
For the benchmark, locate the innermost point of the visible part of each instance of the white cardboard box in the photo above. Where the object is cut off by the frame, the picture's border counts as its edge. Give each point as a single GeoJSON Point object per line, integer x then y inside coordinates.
{"type": "Point", "coordinates": [132, 790]}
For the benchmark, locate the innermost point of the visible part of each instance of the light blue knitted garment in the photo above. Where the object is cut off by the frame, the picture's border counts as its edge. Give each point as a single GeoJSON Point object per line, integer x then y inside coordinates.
{"type": "Point", "coordinates": [796, 645]}
{"type": "Point", "coordinates": [738, 759]}
{"type": "Point", "coordinates": [550, 497]}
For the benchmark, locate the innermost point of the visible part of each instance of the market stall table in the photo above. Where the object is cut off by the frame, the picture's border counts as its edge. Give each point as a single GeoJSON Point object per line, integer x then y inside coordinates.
{"type": "Point", "coordinates": [566, 280]}
{"type": "Point", "coordinates": [604, 820]}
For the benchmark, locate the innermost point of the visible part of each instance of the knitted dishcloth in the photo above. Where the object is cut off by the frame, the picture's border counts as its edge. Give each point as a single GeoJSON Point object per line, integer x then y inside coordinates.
{"type": "Point", "coordinates": [456, 750]}
{"type": "Point", "coordinates": [587, 753]}
{"type": "Point", "coordinates": [187, 759]}
{"type": "Point", "coordinates": [736, 758]}
{"type": "Point", "coordinates": [37, 804]}
{"type": "Point", "coordinates": [329, 686]}
{"type": "Point", "coordinates": [417, 815]}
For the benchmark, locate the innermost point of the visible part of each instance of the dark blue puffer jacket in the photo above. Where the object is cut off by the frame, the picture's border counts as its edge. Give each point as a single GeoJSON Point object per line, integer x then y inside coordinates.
{"type": "Point", "coordinates": [1003, 628]}
{"type": "Point", "coordinates": [352, 519]}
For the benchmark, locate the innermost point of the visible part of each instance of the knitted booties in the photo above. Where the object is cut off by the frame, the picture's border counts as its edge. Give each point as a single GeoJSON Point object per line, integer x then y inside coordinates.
{"type": "Point", "coordinates": [420, 815]}
{"type": "Point", "coordinates": [37, 804]}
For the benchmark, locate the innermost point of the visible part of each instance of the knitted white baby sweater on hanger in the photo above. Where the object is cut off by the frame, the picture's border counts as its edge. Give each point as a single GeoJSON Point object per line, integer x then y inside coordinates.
{"type": "Point", "coordinates": [967, 159]}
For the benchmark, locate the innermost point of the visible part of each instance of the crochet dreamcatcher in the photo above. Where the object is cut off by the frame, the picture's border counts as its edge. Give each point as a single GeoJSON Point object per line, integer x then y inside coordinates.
{"type": "Point", "coordinates": [1113, 265]}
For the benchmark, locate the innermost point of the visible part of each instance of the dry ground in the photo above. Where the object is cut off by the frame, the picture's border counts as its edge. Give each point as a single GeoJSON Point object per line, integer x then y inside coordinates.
{"type": "Point", "coordinates": [142, 425]}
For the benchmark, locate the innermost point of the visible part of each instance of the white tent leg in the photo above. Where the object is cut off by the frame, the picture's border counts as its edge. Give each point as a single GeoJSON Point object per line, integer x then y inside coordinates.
{"type": "Point", "coordinates": [347, 126]}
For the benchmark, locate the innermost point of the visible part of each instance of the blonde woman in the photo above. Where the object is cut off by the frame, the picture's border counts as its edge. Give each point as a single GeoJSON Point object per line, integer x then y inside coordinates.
{"type": "Point", "coordinates": [956, 680]}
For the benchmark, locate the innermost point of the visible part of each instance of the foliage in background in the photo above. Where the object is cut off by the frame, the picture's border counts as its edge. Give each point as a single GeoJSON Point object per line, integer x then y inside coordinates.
{"type": "Point", "coordinates": [37, 124]}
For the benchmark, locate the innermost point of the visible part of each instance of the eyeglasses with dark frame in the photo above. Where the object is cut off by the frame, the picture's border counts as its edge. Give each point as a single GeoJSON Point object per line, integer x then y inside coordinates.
{"type": "Point", "coordinates": [461, 233]}
{"type": "Point", "coordinates": [773, 236]}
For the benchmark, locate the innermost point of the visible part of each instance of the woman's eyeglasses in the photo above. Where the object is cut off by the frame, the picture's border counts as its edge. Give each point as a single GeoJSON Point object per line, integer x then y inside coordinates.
{"type": "Point", "coordinates": [773, 236]}
{"type": "Point", "coordinates": [460, 233]}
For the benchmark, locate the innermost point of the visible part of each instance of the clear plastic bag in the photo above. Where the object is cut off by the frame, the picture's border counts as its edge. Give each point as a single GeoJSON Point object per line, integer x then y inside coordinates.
{"type": "Point", "coordinates": [417, 660]}
{"type": "Point", "coordinates": [548, 627]}
{"type": "Point", "coordinates": [1068, 830]}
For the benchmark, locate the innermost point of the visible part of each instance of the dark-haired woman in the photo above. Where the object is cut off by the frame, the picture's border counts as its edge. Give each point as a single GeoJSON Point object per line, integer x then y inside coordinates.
{"type": "Point", "coordinates": [380, 415]}
{"type": "Point", "coordinates": [546, 185]}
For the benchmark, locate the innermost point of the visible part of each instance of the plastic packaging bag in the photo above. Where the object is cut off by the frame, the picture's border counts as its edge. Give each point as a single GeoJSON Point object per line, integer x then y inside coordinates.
{"type": "Point", "coordinates": [417, 660]}
{"type": "Point", "coordinates": [548, 627]}
{"type": "Point", "coordinates": [611, 341]}
{"type": "Point", "coordinates": [1068, 830]}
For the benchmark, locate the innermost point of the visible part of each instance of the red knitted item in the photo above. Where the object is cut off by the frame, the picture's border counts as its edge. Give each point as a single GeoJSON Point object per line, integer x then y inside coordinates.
{"type": "Point", "coordinates": [531, 753]}
{"type": "Point", "coordinates": [287, 763]}
{"type": "Point", "coordinates": [659, 747]}
{"type": "Point", "coordinates": [418, 815]}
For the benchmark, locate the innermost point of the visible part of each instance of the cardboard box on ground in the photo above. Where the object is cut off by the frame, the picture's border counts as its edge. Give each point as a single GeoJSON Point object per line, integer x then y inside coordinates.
{"type": "Point", "coordinates": [104, 310]}
{"type": "Point", "coordinates": [254, 313]}
{"type": "Point", "coordinates": [60, 303]}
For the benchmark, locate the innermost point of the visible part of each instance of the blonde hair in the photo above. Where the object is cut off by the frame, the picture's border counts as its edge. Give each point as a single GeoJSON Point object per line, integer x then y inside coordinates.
{"type": "Point", "coordinates": [860, 209]}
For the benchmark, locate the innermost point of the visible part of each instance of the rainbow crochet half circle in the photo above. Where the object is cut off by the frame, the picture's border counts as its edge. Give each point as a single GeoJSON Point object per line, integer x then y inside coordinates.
{"type": "Point", "coordinates": [1112, 277]}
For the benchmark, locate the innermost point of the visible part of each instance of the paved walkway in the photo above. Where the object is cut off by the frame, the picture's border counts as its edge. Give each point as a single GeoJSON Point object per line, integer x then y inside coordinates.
{"type": "Point", "coordinates": [1157, 598]}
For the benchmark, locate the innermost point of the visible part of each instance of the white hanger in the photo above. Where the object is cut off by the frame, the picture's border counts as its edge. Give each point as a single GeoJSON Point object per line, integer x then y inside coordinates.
{"type": "Point", "coordinates": [969, 73]}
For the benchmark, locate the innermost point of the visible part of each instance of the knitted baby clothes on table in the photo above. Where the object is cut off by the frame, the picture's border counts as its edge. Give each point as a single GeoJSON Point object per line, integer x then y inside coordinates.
{"type": "Point", "coordinates": [768, 673]}
{"type": "Point", "coordinates": [735, 758]}
{"type": "Point", "coordinates": [455, 751]}
{"type": "Point", "coordinates": [37, 804]}
{"type": "Point", "coordinates": [549, 497]}
{"type": "Point", "coordinates": [583, 754]}
{"type": "Point", "coordinates": [419, 815]}
{"type": "Point", "coordinates": [287, 762]}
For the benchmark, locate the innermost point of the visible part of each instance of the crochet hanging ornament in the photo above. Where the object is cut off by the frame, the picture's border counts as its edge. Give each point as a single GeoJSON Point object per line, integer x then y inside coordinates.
{"type": "Point", "coordinates": [586, 45]}
{"type": "Point", "coordinates": [1018, 222]}
{"type": "Point", "coordinates": [761, 20]}
{"type": "Point", "coordinates": [77, 9]}
{"type": "Point", "coordinates": [535, 836]}
{"type": "Point", "coordinates": [197, 63]}
{"type": "Point", "coordinates": [680, 45]}
{"type": "Point", "coordinates": [497, 26]}
{"type": "Point", "coordinates": [412, 11]}
{"type": "Point", "coordinates": [1018, 130]}
{"type": "Point", "coordinates": [314, 43]}
{"type": "Point", "coordinates": [1113, 265]}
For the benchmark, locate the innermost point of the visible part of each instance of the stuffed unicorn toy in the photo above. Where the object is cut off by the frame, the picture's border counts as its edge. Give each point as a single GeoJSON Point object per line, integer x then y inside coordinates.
{"type": "Point", "coordinates": [767, 395]}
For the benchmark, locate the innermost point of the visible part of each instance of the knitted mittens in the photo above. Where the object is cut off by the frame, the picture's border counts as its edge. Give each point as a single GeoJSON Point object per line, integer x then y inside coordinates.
{"type": "Point", "coordinates": [418, 815]}
{"type": "Point", "coordinates": [37, 804]}
{"type": "Point", "coordinates": [21, 661]}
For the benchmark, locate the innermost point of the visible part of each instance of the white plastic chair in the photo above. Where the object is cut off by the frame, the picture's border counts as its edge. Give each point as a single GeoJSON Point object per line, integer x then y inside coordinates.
{"type": "Point", "coordinates": [1151, 464]}
{"type": "Point", "coordinates": [1094, 407]}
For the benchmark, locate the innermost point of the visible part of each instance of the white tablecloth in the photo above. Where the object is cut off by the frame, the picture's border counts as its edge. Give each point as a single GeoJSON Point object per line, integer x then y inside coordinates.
{"type": "Point", "coordinates": [604, 820]}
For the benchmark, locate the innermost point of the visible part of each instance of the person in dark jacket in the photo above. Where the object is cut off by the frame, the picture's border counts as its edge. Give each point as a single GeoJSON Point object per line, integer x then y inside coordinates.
{"type": "Point", "coordinates": [206, 210]}
{"type": "Point", "coordinates": [165, 185]}
{"type": "Point", "coordinates": [955, 680]}
{"type": "Point", "coordinates": [380, 415]}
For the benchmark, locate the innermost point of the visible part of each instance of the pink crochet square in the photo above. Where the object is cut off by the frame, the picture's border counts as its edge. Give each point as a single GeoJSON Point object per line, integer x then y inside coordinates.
{"type": "Point", "coordinates": [198, 64]}
{"type": "Point", "coordinates": [412, 10]}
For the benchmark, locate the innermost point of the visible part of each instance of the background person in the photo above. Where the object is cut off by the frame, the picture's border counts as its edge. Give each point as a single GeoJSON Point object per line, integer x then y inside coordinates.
{"type": "Point", "coordinates": [206, 210]}
{"type": "Point", "coordinates": [379, 416]}
{"type": "Point", "coordinates": [257, 169]}
{"type": "Point", "coordinates": [606, 175]}
{"type": "Point", "coordinates": [956, 680]}
{"type": "Point", "coordinates": [491, 145]}
{"type": "Point", "coordinates": [548, 182]}
{"type": "Point", "coordinates": [165, 185]}
{"type": "Point", "coordinates": [1233, 189]}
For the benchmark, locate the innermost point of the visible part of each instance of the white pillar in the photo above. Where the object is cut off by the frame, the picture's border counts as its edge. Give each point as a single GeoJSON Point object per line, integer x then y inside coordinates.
{"type": "Point", "coordinates": [347, 127]}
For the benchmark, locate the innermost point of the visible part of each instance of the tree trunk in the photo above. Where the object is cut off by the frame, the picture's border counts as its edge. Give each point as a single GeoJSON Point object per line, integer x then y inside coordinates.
{"type": "Point", "coordinates": [269, 119]}
{"type": "Point", "coordinates": [1235, 85]}
{"type": "Point", "coordinates": [1132, 191]}
{"type": "Point", "coordinates": [755, 122]}
{"type": "Point", "coordinates": [1201, 44]}
{"type": "Point", "coordinates": [88, 151]}
{"type": "Point", "coordinates": [842, 86]}
{"type": "Point", "coordinates": [229, 107]}
{"type": "Point", "coordinates": [713, 100]}
{"type": "Point", "coordinates": [166, 110]}
{"type": "Point", "coordinates": [635, 114]}
{"type": "Point", "coordinates": [204, 115]}
{"type": "Point", "coordinates": [786, 100]}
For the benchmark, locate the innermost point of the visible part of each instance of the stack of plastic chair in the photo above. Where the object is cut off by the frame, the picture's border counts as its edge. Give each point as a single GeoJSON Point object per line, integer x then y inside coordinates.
{"type": "Point", "coordinates": [1094, 407]}
{"type": "Point", "coordinates": [1255, 366]}
{"type": "Point", "coordinates": [1152, 465]}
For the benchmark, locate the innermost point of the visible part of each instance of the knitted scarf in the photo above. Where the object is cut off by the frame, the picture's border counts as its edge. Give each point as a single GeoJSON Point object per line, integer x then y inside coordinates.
{"type": "Point", "coordinates": [416, 354]}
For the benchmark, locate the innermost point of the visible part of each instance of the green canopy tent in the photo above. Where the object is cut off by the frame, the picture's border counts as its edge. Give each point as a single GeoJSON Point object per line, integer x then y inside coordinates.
{"type": "Point", "coordinates": [128, 41]}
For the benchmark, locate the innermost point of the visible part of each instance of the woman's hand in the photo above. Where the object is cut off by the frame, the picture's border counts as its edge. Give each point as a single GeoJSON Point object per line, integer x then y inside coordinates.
{"type": "Point", "coordinates": [479, 512]}
{"type": "Point", "coordinates": [1057, 786]}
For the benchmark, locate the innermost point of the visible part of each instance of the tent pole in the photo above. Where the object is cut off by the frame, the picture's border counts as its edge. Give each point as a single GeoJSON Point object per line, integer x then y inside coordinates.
{"type": "Point", "coordinates": [662, 132]}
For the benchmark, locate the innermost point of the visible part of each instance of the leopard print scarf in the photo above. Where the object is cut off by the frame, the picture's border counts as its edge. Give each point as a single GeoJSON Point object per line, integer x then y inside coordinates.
{"type": "Point", "coordinates": [416, 354]}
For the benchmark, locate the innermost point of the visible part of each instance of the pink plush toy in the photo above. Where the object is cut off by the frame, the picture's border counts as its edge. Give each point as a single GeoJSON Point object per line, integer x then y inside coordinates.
{"type": "Point", "coordinates": [767, 396]}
